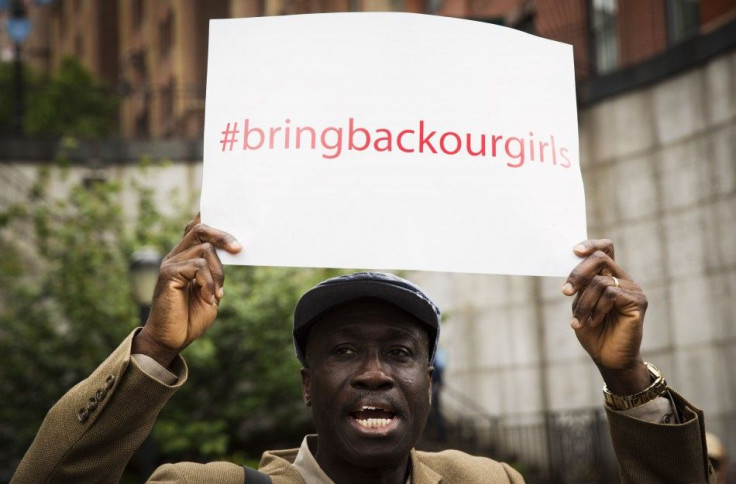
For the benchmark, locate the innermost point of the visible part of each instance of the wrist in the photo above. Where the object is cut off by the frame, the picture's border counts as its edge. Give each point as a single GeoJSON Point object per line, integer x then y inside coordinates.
{"type": "Point", "coordinates": [627, 381]}
{"type": "Point", "coordinates": [624, 401]}
{"type": "Point", "coordinates": [145, 345]}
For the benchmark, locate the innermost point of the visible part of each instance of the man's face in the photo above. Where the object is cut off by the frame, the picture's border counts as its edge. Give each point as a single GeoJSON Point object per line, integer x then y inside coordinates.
{"type": "Point", "coordinates": [368, 383]}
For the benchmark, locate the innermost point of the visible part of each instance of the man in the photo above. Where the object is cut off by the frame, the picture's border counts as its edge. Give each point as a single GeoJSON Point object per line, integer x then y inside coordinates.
{"type": "Point", "coordinates": [366, 342]}
{"type": "Point", "coordinates": [717, 457]}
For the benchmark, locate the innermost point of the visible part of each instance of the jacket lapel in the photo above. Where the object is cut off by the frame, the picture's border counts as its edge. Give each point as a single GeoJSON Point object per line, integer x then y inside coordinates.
{"type": "Point", "coordinates": [421, 473]}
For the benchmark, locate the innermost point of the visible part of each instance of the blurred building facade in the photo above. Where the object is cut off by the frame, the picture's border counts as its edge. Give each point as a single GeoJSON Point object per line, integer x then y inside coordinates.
{"type": "Point", "coordinates": [657, 116]}
{"type": "Point", "coordinates": [153, 55]}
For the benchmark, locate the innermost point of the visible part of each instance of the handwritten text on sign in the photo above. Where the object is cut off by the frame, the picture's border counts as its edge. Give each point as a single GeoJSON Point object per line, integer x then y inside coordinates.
{"type": "Point", "coordinates": [392, 141]}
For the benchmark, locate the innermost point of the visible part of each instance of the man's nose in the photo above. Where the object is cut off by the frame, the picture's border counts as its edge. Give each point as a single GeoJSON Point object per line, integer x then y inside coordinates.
{"type": "Point", "coordinates": [372, 374]}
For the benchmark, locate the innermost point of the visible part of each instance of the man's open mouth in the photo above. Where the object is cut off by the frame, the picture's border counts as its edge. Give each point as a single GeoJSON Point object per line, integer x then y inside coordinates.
{"type": "Point", "coordinates": [373, 417]}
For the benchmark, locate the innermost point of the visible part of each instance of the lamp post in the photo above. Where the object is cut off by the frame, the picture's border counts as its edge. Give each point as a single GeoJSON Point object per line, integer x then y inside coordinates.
{"type": "Point", "coordinates": [18, 27]}
{"type": "Point", "coordinates": [144, 264]}
{"type": "Point", "coordinates": [143, 272]}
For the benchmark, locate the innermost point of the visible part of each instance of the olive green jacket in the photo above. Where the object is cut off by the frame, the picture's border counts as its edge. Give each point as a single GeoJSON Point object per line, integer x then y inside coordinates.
{"type": "Point", "coordinates": [90, 434]}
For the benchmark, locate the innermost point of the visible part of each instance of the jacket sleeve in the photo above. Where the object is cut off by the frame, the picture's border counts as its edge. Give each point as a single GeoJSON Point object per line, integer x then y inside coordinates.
{"type": "Point", "coordinates": [90, 434]}
{"type": "Point", "coordinates": [662, 453]}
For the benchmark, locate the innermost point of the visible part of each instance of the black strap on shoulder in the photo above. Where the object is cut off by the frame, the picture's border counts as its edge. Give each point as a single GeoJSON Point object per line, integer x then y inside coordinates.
{"type": "Point", "coordinates": [253, 476]}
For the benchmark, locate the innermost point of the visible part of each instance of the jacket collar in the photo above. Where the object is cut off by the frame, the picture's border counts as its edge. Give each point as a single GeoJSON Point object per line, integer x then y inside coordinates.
{"type": "Point", "coordinates": [421, 473]}
{"type": "Point", "coordinates": [280, 463]}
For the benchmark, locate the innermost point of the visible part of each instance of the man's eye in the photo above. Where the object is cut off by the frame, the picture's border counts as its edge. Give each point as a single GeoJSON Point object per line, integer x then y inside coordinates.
{"type": "Point", "coordinates": [345, 350]}
{"type": "Point", "coordinates": [400, 352]}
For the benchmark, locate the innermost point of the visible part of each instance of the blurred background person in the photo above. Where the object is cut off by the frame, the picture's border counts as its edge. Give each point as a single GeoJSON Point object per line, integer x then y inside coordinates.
{"type": "Point", "coordinates": [717, 457]}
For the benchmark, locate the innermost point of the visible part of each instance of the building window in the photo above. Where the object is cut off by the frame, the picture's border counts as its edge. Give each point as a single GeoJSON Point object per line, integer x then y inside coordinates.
{"type": "Point", "coordinates": [603, 20]}
{"type": "Point", "coordinates": [167, 109]}
{"type": "Point", "coordinates": [683, 20]}
{"type": "Point", "coordinates": [138, 63]}
{"type": "Point", "coordinates": [141, 125]}
{"type": "Point", "coordinates": [137, 14]}
{"type": "Point", "coordinates": [434, 6]}
{"type": "Point", "coordinates": [62, 22]}
{"type": "Point", "coordinates": [383, 5]}
{"type": "Point", "coordinates": [78, 46]}
{"type": "Point", "coordinates": [166, 35]}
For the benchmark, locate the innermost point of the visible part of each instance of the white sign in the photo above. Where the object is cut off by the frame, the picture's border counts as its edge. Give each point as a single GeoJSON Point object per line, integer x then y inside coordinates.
{"type": "Point", "coordinates": [392, 141]}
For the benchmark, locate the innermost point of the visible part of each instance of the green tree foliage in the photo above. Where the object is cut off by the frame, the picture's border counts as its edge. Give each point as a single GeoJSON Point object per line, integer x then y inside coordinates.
{"type": "Point", "coordinates": [61, 311]}
{"type": "Point", "coordinates": [69, 102]}
{"type": "Point", "coordinates": [65, 304]}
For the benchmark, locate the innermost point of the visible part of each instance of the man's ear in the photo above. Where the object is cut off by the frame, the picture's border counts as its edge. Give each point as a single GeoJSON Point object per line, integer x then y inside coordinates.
{"type": "Point", "coordinates": [430, 372]}
{"type": "Point", "coordinates": [306, 380]}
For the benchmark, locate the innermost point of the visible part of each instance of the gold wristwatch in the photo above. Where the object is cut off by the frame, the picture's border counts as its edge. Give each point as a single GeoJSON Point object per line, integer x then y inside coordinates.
{"type": "Point", "coordinates": [624, 402]}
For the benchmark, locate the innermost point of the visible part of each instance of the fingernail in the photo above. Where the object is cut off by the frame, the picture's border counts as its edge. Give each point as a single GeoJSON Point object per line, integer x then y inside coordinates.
{"type": "Point", "coordinates": [579, 248]}
{"type": "Point", "coordinates": [220, 292]}
{"type": "Point", "coordinates": [236, 245]}
{"type": "Point", "coordinates": [575, 324]}
{"type": "Point", "coordinates": [213, 299]}
{"type": "Point", "coordinates": [567, 289]}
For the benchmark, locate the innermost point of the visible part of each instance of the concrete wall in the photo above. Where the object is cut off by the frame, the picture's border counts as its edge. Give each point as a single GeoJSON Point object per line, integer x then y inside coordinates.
{"type": "Point", "coordinates": [660, 173]}
{"type": "Point", "coordinates": [176, 184]}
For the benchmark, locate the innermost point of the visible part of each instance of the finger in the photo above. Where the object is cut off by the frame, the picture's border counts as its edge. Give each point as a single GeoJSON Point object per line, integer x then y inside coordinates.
{"type": "Point", "coordinates": [192, 271]}
{"type": "Point", "coordinates": [207, 290]}
{"type": "Point", "coordinates": [587, 247]}
{"type": "Point", "coordinates": [605, 305]}
{"type": "Point", "coordinates": [575, 302]}
{"type": "Point", "coordinates": [196, 220]}
{"type": "Point", "coordinates": [598, 263]}
{"type": "Point", "coordinates": [598, 299]}
{"type": "Point", "coordinates": [603, 295]}
{"type": "Point", "coordinates": [201, 233]}
{"type": "Point", "coordinates": [590, 246]}
{"type": "Point", "coordinates": [588, 299]}
{"type": "Point", "coordinates": [207, 252]}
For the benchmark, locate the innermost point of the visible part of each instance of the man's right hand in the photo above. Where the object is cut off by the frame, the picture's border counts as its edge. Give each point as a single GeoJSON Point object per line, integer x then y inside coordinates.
{"type": "Point", "coordinates": [187, 293]}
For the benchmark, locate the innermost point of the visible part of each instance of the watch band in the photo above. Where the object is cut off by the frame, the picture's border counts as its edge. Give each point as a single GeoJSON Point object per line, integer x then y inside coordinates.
{"type": "Point", "coordinates": [624, 402]}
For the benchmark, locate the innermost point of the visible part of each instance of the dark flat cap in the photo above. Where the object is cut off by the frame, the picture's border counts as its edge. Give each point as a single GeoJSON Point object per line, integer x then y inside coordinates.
{"type": "Point", "coordinates": [359, 285]}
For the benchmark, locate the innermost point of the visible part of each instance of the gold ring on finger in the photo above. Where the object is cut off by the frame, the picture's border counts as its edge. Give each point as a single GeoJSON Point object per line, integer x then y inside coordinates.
{"type": "Point", "coordinates": [615, 281]}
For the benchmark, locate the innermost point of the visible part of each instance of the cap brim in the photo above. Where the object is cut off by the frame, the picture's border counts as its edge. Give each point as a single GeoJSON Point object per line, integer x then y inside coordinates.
{"type": "Point", "coordinates": [322, 298]}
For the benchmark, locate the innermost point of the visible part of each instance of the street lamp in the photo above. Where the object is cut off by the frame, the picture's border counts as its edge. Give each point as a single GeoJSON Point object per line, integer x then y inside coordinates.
{"type": "Point", "coordinates": [143, 272]}
{"type": "Point", "coordinates": [18, 27]}
{"type": "Point", "coordinates": [144, 264]}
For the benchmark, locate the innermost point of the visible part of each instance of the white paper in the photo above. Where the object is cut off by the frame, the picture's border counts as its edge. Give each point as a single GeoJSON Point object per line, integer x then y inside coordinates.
{"type": "Point", "coordinates": [424, 204]}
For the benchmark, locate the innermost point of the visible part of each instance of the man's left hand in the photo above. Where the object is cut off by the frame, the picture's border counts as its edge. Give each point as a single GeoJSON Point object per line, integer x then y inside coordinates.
{"type": "Point", "coordinates": [608, 316]}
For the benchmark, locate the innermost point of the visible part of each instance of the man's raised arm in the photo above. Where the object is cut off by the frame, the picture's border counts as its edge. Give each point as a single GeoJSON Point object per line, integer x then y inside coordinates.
{"type": "Point", "coordinates": [90, 434]}
{"type": "Point", "coordinates": [658, 436]}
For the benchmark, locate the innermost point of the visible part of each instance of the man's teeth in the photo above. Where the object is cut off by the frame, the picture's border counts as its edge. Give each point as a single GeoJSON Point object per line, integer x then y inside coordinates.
{"type": "Point", "coordinates": [374, 423]}
{"type": "Point", "coordinates": [371, 417]}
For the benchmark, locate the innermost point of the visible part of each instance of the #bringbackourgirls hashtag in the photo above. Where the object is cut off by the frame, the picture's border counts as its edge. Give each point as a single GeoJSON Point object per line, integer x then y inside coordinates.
{"type": "Point", "coordinates": [333, 140]}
